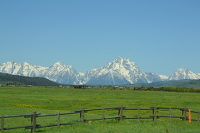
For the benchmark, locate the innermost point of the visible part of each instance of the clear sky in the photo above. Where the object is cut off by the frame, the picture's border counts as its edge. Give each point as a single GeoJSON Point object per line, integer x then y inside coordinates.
{"type": "Point", "coordinates": [161, 36]}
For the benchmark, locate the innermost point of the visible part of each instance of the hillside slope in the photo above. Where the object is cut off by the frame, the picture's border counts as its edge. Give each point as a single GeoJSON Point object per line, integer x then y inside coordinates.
{"type": "Point", "coordinates": [23, 80]}
{"type": "Point", "coordinates": [176, 83]}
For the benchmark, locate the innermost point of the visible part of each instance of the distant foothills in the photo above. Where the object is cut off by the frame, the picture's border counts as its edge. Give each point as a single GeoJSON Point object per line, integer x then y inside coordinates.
{"type": "Point", "coordinates": [120, 71]}
{"type": "Point", "coordinates": [16, 80]}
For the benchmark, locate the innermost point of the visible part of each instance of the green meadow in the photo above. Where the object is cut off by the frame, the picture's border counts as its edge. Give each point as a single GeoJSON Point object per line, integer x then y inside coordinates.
{"type": "Point", "coordinates": [26, 100]}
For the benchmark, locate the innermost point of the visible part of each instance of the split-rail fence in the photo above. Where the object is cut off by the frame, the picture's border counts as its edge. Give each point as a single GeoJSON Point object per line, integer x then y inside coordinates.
{"type": "Point", "coordinates": [185, 115]}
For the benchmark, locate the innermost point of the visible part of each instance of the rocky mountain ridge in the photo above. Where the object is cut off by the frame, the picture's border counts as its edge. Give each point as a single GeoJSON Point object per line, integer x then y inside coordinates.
{"type": "Point", "coordinates": [117, 72]}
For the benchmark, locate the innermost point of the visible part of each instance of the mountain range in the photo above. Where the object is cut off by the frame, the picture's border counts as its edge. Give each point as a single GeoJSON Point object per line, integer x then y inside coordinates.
{"type": "Point", "coordinates": [117, 72]}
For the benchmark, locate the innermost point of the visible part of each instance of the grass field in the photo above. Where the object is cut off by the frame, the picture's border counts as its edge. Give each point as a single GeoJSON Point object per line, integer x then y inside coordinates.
{"type": "Point", "coordinates": [25, 100]}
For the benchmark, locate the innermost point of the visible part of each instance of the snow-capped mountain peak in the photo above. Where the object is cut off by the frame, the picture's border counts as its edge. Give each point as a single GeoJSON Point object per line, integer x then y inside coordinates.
{"type": "Point", "coordinates": [26, 63]}
{"type": "Point", "coordinates": [121, 60]}
{"type": "Point", "coordinates": [183, 74]}
{"type": "Point", "coordinates": [59, 66]}
{"type": "Point", "coordinates": [58, 63]}
{"type": "Point", "coordinates": [10, 67]}
{"type": "Point", "coordinates": [120, 63]}
{"type": "Point", "coordinates": [119, 71]}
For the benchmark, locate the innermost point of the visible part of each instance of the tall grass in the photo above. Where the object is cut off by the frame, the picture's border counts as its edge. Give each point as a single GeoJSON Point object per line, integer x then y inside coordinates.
{"type": "Point", "coordinates": [25, 100]}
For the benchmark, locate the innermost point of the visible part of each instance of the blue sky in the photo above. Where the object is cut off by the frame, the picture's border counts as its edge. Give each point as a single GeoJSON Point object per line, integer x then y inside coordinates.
{"type": "Point", "coordinates": [161, 36]}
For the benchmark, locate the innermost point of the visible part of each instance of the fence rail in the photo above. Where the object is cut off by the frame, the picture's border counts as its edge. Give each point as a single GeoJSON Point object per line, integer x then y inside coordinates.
{"type": "Point", "coordinates": [186, 115]}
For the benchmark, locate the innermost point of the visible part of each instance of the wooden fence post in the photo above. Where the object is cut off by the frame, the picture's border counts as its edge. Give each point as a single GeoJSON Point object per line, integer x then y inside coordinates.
{"type": "Point", "coordinates": [2, 124]}
{"type": "Point", "coordinates": [59, 119]}
{"type": "Point", "coordinates": [82, 115]}
{"type": "Point", "coordinates": [184, 114]}
{"type": "Point", "coordinates": [154, 113]}
{"type": "Point", "coordinates": [138, 114]}
{"type": "Point", "coordinates": [102, 115]}
{"type": "Point", "coordinates": [33, 122]}
{"type": "Point", "coordinates": [120, 113]}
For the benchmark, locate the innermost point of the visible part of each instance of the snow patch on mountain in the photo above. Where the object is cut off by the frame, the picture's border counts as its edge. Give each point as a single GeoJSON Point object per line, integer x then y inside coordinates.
{"type": "Point", "coordinates": [81, 74]}
{"type": "Point", "coordinates": [163, 77]}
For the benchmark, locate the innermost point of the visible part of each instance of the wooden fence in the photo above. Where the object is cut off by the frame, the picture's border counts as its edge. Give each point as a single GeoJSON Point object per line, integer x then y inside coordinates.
{"type": "Point", "coordinates": [185, 115]}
